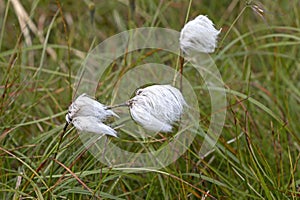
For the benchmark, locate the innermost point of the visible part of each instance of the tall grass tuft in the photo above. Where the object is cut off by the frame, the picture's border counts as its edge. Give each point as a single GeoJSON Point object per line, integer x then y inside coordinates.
{"type": "Point", "coordinates": [257, 155]}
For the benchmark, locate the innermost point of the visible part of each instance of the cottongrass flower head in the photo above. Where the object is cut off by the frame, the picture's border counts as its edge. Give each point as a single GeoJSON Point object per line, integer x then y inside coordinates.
{"type": "Point", "coordinates": [199, 35]}
{"type": "Point", "coordinates": [87, 114]}
{"type": "Point", "coordinates": [157, 107]}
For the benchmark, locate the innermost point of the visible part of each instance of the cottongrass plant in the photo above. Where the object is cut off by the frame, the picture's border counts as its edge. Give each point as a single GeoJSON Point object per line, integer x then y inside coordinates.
{"type": "Point", "coordinates": [88, 115]}
{"type": "Point", "coordinates": [199, 35]}
{"type": "Point", "coordinates": [157, 107]}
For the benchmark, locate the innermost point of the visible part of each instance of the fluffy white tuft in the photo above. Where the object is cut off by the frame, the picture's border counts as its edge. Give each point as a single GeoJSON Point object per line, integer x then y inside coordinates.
{"type": "Point", "coordinates": [93, 125]}
{"type": "Point", "coordinates": [85, 108]}
{"type": "Point", "coordinates": [157, 107]}
{"type": "Point", "coordinates": [199, 35]}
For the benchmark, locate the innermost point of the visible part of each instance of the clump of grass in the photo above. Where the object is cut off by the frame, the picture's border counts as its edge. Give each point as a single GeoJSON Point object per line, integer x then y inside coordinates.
{"type": "Point", "coordinates": [257, 155]}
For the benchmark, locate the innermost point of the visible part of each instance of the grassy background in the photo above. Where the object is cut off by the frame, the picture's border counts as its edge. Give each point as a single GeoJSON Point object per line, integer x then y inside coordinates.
{"type": "Point", "coordinates": [259, 62]}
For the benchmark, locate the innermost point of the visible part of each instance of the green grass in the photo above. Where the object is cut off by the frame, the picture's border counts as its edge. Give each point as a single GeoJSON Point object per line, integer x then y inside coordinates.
{"type": "Point", "coordinates": [258, 58]}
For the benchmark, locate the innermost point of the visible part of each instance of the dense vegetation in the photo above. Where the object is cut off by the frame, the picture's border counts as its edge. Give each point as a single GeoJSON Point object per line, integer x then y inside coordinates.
{"type": "Point", "coordinates": [257, 155]}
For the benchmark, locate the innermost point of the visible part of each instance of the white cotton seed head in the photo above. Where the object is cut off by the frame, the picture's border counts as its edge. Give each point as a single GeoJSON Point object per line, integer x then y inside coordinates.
{"type": "Point", "coordinates": [86, 106]}
{"type": "Point", "coordinates": [140, 113]}
{"type": "Point", "coordinates": [199, 35]}
{"type": "Point", "coordinates": [93, 125]}
{"type": "Point", "coordinates": [157, 107]}
{"type": "Point", "coordinates": [87, 114]}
